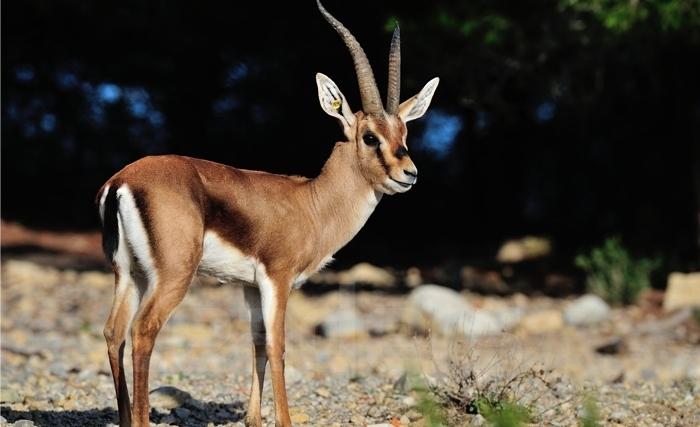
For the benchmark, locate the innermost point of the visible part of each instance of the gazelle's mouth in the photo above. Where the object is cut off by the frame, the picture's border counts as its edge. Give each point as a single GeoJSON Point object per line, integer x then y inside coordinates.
{"type": "Point", "coordinates": [403, 184]}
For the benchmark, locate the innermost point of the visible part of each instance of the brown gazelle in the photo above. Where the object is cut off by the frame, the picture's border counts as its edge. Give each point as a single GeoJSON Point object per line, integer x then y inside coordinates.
{"type": "Point", "coordinates": [167, 218]}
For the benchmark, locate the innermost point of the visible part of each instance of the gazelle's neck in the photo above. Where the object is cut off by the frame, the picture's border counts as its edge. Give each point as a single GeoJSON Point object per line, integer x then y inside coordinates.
{"type": "Point", "coordinates": [342, 199]}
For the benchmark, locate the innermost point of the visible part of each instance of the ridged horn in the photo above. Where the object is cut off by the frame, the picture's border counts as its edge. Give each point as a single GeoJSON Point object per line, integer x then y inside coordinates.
{"type": "Point", "coordinates": [393, 92]}
{"type": "Point", "coordinates": [371, 101]}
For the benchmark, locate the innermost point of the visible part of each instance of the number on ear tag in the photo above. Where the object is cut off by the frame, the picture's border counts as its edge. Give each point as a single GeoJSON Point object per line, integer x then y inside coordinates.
{"type": "Point", "coordinates": [336, 104]}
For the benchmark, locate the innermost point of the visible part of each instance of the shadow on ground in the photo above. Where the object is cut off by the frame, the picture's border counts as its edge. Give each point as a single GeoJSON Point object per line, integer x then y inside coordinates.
{"type": "Point", "coordinates": [205, 413]}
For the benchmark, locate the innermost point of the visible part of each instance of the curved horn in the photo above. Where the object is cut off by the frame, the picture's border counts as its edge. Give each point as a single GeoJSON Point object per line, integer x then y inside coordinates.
{"type": "Point", "coordinates": [392, 95]}
{"type": "Point", "coordinates": [371, 101]}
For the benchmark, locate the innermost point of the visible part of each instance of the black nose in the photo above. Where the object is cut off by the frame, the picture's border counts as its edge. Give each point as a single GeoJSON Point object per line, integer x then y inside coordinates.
{"type": "Point", "coordinates": [409, 173]}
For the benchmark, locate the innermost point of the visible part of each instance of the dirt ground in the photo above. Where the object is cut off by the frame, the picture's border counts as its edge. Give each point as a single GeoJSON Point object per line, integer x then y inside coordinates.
{"type": "Point", "coordinates": [640, 366]}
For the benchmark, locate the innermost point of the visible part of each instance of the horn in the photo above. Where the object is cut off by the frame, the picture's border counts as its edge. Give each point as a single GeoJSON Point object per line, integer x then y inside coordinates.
{"type": "Point", "coordinates": [392, 96]}
{"type": "Point", "coordinates": [371, 101]}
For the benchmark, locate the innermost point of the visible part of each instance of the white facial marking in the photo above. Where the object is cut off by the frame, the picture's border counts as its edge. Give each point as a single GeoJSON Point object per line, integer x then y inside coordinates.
{"type": "Point", "coordinates": [135, 234]}
{"type": "Point", "coordinates": [224, 261]}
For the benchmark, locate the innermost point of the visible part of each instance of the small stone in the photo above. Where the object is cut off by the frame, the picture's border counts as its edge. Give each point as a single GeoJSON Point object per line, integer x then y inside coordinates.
{"type": "Point", "coordinates": [409, 401]}
{"type": "Point", "coordinates": [586, 310]}
{"type": "Point", "coordinates": [357, 419]}
{"type": "Point", "coordinates": [8, 395]}
{"type": "Point", "coordinates": [542, 322]}
{"type": "Point", "coordinates": [323, 392]}
{"type": "Point", "coordinates": [414, 415]}
{"type": "Point", "coordinates": [300, 417]}
{"type": "Point", "coordinates": [182, 412]}
{"type": "Point", "coordinates": [168, 397]}
{"type": "Point", "coordinates": [24, 423]}
{"type": "Point", "coordinates": [618, 416]}
{"type": "Point", "coordinates": [404, 420]}
{"type": "Point", "coordinates": [374, 412]}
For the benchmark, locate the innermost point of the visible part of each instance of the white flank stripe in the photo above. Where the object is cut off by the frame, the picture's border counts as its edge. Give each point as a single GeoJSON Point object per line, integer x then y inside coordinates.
{"type": "Point", "coordinates": [136, 233]}
{"type": "Point", "coordinates": [103, 197]}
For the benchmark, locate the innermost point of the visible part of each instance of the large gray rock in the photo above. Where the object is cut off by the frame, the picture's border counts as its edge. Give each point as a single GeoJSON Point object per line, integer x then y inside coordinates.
{"type": "Point", "coordinates": [344, 323]}
{"type": "Point", "coordinates": [444, 311]}
{"type": "Point", "coordinates": [168, 397]}
{"type": "Point", "coordinates": [586, 310]}
{"type": "Point", "coordinates": [683, 290]}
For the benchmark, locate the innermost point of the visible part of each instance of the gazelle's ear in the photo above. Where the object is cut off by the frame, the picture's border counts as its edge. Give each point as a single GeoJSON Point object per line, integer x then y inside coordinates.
{"type": "Point", "coordinates": [333, 102]}
{"type": "Point", "coordinates": [414, 107]}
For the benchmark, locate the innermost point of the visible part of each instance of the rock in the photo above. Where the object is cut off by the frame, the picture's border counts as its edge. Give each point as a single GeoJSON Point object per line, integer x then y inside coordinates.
{"type": "Point", "coordinates": [323, 392]}
{"type": "Point", "coordinates": [489, 282]}
{"type": "Point", "coordinates": [618, 416]}
{"type": "Point", "coordinates": [683, 290]}
{"type": "Point", "coordinates": [365, 273]}
{"type": "Point", "coordinates": [357, 419]}
{"type": "Point", "coordinates": [586, 310]}
{"type": "Point", "coordinates": [168, 397]}
{"type": "Point", "coordinates": [300, 418]}
{"type": "Point", "coordinates": [374, 412]}
{"type": "Point", "coordinates": [24, 423]}
{"type": "Point", "coordinates": [612, 347]}
{"type": "Point", "coordinates": [343, 324]}
{"type": "Point", "coordinates": [8, 395]}
{"type": "Point", "coordinates": [413, 277]}
{"type": "Point", "coordinates": [443, 310]}
{"type": "Point", "coordinates": [404, 420]}
{"type": "Point", "coordinates": [542, 321]}
{"type": "Point", "coordinates": [527, 248]}
{"type": "Point", "coordinates": [433, 306]}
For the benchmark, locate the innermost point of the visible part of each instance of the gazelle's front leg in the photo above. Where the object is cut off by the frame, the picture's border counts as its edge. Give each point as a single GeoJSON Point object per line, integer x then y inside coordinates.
{"type": "Point", "coordinates": [274, 293]}
{"type": "Point", "coordinates": [257, 329]}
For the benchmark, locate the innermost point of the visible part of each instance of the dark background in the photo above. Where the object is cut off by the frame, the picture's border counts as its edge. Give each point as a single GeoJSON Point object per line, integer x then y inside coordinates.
{"type": "Point", "coordinates": [552, 118]}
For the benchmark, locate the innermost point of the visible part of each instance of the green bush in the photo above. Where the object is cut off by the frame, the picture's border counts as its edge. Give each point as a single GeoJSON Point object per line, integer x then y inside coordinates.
{"type": "Point", "coordinates": [613, 274]}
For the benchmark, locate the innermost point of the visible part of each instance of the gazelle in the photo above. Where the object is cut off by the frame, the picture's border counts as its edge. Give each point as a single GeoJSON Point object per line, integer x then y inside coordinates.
{"type": "Point", "coordinates": [167, 218]}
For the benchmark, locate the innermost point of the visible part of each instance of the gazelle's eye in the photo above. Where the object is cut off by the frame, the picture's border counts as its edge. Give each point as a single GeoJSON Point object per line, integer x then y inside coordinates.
{"type": "Point", "coordinates": [370, 139]}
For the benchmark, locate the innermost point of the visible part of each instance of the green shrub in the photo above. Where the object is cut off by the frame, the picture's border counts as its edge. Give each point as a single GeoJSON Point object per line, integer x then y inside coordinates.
{"type": "Point", "coordinates": [504, 414]}
{"type": "Point", "coordinates": [591, 414]}
{"type": "Point", "coordinates": [613, 274]}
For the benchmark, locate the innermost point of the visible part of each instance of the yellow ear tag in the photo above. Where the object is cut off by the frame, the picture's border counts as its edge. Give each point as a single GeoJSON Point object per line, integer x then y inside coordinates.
{"type": "Point", "coordinates": [336, 104]}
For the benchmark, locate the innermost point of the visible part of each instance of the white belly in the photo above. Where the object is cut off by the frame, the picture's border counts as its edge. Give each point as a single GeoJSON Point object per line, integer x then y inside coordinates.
{"type": "Point", "coordinates": [224, 261]}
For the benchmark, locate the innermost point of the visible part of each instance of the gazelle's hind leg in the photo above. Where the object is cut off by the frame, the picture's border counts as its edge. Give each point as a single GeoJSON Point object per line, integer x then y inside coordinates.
{"type": "Point", "coordinates": [123, 310]}
{"type": "Point", "coordinates": [155, 309]}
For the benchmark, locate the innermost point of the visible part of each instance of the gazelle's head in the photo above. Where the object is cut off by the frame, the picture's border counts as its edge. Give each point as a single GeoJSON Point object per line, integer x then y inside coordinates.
{"type": "Point", "coordinates": [379, 134]}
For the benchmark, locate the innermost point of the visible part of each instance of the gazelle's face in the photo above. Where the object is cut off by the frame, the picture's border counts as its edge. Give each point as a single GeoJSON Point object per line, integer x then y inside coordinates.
{"type": "Point", "coordinates": [382, 153]}
{"type": "Point", "coordinates": [380, 137]}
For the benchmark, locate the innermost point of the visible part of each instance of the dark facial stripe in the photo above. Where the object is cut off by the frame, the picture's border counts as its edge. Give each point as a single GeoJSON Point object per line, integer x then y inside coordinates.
{"type": "Point", "coordinates": [381, 158]}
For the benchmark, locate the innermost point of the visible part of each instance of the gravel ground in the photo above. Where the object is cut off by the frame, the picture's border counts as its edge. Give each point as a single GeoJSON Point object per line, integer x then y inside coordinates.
{"type": "Point", "coordinates": [55, 372]}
